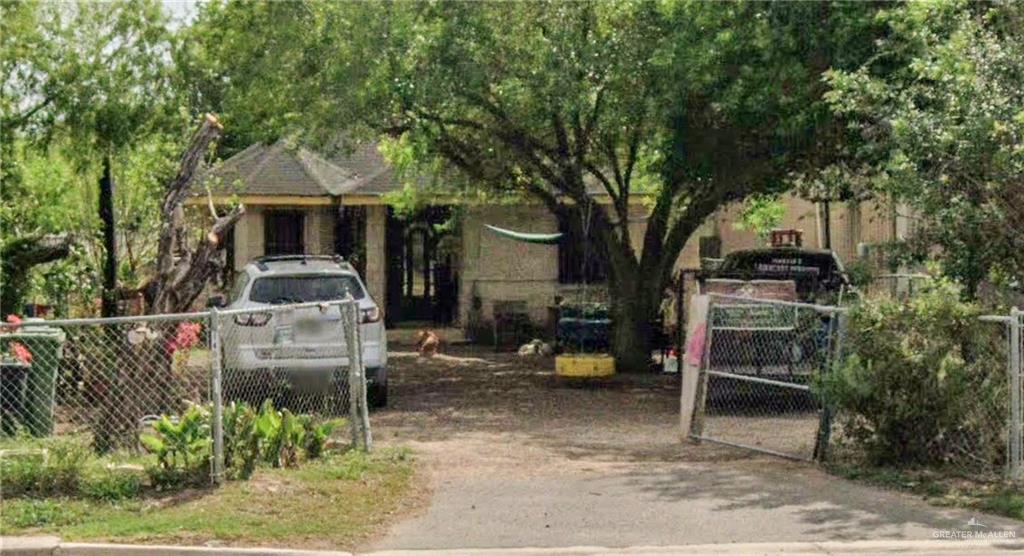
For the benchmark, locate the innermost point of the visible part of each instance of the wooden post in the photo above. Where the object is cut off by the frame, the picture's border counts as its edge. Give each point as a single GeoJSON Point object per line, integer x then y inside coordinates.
{"type": "Point", "coordinates": [827, 224]}
{"type": "Point", "coordinates": [106, 211]}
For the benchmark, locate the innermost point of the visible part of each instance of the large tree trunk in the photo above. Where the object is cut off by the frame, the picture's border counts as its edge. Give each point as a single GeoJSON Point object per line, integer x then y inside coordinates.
{"type": "Point", "coordinates": [182, 271]}
{"type": "Point", "coordinates": [635, 301]}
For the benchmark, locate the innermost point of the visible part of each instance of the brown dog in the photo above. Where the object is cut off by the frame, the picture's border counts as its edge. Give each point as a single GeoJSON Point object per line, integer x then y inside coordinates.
{"type": "Point", "coordinates": [427, 343]}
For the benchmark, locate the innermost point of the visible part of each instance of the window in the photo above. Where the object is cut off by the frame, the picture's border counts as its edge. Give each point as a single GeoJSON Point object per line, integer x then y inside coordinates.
{"type": "Point", "coordinates": [304, 289]}
{"type": "Point", "coordinates": [580, 259]}
{"type": "Point", "coordinates": [283, 232]}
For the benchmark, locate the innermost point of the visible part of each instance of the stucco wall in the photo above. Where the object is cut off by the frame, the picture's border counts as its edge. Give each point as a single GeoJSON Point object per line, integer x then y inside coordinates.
{"type": "Point", "coordinates": [249, 236]}
{"type": "Point", "coordinates": [499, 269]}
{"type": "Point", "coordinates": [851, 224]}
{"type": "Point", "coordinates": [376, 256]}
{"type": "Point", "coordinates": [318, 232]}
{"type": "Point", "coordinates": [494, 268]}
{"type": "Point", "coordinates": [318, 239]}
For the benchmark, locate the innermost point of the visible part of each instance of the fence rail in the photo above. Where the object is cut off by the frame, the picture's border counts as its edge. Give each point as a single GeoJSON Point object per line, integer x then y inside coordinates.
{"type": "Point", "coordinates": [107, 379]}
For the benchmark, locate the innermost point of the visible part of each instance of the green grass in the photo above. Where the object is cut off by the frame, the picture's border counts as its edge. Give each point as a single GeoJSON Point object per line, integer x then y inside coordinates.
{"type": "Point", "coordinates": [1001, 498]}
{"type": "Point", "coordinates": [334, 502]}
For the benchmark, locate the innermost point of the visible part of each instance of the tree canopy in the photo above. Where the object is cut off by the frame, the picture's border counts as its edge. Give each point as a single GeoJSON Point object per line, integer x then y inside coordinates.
{"type": "Point", "coordinates": [85, 83]}
{"type": "Point", "coordinates": [682, 106]}
{"type": "Point", "coordinates": [941, 133]}
{"type": "Point", "coordinates": [599, 111]}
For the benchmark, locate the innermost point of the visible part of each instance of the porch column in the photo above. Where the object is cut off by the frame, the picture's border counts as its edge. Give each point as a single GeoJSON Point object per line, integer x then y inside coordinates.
{"type": "Point", "coordinates": [376, 255]}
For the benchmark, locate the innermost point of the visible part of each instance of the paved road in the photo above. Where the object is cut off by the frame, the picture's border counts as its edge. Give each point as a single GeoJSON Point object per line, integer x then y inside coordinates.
{"type": "Point", "coordinates": [49, 546]}
{"type": "Point", "coordinates": [846, 548]}
{"type": "Point", "coordinates": [681, 505]}
{"type": "Point", "coordinates": [516, 462]}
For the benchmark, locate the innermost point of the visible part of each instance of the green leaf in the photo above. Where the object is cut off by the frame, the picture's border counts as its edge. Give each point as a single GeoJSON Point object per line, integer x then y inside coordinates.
{"type": "Point", "coordinates": [152, 443]}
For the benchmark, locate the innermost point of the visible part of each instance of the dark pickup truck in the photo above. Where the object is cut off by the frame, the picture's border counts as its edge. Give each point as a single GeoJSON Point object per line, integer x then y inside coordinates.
{"type": "Point", "coordinates": [818, 273]}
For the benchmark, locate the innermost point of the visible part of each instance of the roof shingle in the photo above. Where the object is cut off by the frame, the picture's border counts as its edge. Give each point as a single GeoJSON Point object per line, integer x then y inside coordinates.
{"type": "Point", "coordinates": [281, 170]}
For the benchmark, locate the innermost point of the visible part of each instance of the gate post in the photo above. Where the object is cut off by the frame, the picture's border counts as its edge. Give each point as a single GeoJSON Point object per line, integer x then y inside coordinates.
{"type": "Point", "coordinates": [700, 403]}
{"type": "Point", "coordinates": [358, 410]}
{"type": "Point", "coordinates": [1016, 411]}
{"type": "Point", "coordinates": [833, 354]}
{"type": "Point", "coordinates": [218, 398]}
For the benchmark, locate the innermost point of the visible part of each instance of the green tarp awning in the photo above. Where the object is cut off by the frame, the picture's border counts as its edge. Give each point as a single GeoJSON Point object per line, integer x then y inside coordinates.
{"type": "Point", "coordinates": [545, 239]}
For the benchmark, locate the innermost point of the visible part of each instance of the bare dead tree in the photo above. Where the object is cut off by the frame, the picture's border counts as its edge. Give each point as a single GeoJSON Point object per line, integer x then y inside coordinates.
{"type": "Point", "coordinates": [182, 272]}
{"type": "Point", "coordinates": [144, 378]}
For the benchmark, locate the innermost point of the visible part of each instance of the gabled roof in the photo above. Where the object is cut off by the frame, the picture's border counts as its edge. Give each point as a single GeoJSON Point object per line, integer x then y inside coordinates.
{"type": "Point", "coordinates": [282, 170]}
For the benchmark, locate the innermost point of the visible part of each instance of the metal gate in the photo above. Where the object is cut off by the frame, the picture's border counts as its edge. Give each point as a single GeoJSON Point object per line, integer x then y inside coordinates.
{"type": "Point", "coordinates": [757, 384]}
{"type": "Point", "coordinates": [1014, 414]}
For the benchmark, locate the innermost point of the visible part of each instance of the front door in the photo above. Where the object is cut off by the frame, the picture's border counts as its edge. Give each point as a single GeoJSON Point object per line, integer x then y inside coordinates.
{"type": "Point", "coordinates": [421, 274]}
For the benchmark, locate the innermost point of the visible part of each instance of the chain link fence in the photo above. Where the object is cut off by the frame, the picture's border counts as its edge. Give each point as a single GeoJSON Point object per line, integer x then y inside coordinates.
{"type": "Point", "coordinates": [770, 370]}
{"type": "Point", "coordinates": [106, 380]}
{"type": "Point", "coordinates": [991, 439]}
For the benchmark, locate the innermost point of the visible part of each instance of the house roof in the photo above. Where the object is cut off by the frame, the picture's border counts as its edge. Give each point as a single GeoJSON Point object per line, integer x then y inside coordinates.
{"type": "Point", "coordinates": [281, 170]}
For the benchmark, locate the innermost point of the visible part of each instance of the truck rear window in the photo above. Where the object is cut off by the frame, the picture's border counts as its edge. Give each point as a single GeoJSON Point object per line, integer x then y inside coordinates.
{"type": "Point", "coordinates": [304, 289]}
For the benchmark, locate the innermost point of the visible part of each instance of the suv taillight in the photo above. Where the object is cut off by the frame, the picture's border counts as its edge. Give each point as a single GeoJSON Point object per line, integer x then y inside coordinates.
{"type": "Point", "coordinates": [253, 319]}
{"type": "Point", "coordinates": [372, 314]}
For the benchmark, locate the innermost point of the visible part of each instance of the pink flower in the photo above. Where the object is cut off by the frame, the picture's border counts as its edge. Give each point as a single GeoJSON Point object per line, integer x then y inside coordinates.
{"type": "Point", "coordinates": [21, 352]}
{"type": "Point", "coordinates": [186, 336]}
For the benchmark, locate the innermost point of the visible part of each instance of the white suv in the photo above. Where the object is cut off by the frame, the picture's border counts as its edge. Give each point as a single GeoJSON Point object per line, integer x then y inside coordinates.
{"type": "Point", "coordinates": [303, 347]}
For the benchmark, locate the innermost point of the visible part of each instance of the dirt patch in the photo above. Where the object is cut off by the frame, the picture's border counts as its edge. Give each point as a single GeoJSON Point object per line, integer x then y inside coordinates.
{"type": "Point", "coordinates": [475, 411]}
{"type": "Point", "coordinates": [272, 485]}
{"type": "Point", "coordinates": [176, 498]}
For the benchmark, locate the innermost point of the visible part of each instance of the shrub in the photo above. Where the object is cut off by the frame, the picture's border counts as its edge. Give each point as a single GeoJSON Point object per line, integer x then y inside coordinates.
{"type": "Point", "coordinates": [316, 435]}
{"type": "Point", "coordinates": [924, 381]}
{"type": "Point", "coordinates": [241, 443]}
{"type": "Point", "coordinates": [281, 436]}
{"type": "Point", "coordinates": [46, 468]}
{"type": "Point", "coordinates": [182, 447]}
{"type": "Point", "coordinates": [182, 444]}
{"type": "Point", "coordinates": [292, 439]}
{"type": "Point", "coordinates": [110, 484]}
{"type": "Point", "coordinates": [278, 438]}
{"type": "Point", "coordinates": [268, 430]}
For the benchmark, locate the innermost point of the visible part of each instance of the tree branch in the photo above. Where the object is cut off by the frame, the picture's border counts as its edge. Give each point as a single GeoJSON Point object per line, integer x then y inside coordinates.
{"type": "Point", "coordinates": [177, 283]}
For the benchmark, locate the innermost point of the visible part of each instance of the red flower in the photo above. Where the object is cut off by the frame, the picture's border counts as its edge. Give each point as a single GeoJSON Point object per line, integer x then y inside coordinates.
{"type": "Point", "coordinates": [14, 321]}
{"type": "Point", "coordinates": [186, 336]}
{"type": "Point", "coordinates": [21, 352]}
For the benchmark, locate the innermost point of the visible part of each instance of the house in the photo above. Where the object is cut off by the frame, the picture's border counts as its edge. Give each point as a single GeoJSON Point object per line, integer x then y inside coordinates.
{"type": "Point", "coordinates": [298, 201]}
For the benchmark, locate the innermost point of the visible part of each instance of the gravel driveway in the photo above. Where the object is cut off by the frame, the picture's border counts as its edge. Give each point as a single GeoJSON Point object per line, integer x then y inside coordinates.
{"type": "Point", "coordinates": [516, 458]}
